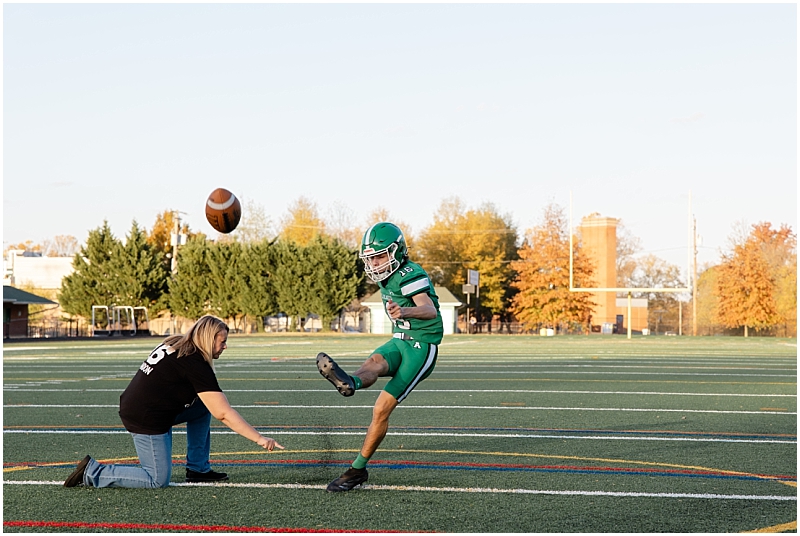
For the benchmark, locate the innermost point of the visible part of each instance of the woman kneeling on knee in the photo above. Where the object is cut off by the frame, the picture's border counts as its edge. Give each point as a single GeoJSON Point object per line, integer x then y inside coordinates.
{"type": "Point", "coordinates": [175, 384]}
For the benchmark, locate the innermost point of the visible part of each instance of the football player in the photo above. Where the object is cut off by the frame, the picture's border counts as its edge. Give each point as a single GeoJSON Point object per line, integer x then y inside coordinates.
{"type": "Point", "coordinates": [408, 357]}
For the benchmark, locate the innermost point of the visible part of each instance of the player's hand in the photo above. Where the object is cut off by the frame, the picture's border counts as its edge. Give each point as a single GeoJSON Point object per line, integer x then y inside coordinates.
{"type": "Point", "coordinates": [393, 310]}
{"type": "Point", "coordinates": [269, 443]}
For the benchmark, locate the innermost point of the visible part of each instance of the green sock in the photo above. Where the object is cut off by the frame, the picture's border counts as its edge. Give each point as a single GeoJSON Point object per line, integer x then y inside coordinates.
{"type": "Point", "coordinates": [360, 462]}
{"type": "Point", "coordinates": [356, 382]}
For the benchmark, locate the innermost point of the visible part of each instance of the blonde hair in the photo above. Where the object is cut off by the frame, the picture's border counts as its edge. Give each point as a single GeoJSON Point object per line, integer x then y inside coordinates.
{"type": "Point", "coordinates": [200, 338]}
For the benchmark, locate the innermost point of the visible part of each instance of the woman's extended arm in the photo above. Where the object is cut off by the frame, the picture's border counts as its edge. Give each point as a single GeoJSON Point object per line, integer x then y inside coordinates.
{"type": "Point", "coordinates": [218, 405]}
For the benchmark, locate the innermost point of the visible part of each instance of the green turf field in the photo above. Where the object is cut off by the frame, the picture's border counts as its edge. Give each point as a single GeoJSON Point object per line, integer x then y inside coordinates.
{"type": "Point", "coordinates": [509, 434]}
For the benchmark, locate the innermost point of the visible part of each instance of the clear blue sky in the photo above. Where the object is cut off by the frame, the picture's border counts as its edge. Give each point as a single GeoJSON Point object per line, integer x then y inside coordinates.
{"type": "Point", "coordinates": [119, 112]}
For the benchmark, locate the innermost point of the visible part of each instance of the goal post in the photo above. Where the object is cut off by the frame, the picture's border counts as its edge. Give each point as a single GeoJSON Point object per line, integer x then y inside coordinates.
{"type": "Point", "coordinates": [630, 290]}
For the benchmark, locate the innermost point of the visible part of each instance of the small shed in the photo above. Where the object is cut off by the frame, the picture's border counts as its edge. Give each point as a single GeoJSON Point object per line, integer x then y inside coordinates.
{"type": "Point", "coordinates": [15, 310]}
{"type": "Point", "coordinates": [379, 321]}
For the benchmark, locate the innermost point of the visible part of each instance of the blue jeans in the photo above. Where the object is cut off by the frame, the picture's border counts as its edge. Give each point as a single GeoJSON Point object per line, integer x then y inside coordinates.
{"type": "Point", "coordinates": [155, 455]}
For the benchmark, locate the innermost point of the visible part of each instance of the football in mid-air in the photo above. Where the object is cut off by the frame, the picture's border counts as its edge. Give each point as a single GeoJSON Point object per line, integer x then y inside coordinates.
{"type": "Point", "coordinates": [223, 210]}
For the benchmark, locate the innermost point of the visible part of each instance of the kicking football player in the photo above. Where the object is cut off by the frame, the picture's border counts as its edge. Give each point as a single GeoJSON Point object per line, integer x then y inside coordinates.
{"type": "Point", "coordinates": [408, 357]}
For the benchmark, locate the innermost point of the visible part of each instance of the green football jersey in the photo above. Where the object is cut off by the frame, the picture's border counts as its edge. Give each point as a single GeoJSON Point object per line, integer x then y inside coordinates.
{"type": "Point", "coordinates": [409, 280]}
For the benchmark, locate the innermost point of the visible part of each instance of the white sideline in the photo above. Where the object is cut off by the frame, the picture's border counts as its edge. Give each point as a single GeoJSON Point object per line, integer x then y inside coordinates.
{"type": "Point", "coordinates": [518, 408]}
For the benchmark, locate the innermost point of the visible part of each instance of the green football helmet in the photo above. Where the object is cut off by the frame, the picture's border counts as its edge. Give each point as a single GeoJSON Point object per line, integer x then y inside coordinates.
{"type": "Point", "coordinates": [383, 238]}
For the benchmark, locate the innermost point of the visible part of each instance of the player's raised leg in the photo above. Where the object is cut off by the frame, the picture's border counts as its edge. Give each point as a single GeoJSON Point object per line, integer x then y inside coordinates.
{"type": "Point", "coordinates": [365, 376]}
{"type": "Point", "coordinates": [334, 374]}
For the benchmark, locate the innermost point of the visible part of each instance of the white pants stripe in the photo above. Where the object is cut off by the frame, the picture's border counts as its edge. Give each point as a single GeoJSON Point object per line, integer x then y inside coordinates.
{"type": "Point", "coordinates": [430, 361]}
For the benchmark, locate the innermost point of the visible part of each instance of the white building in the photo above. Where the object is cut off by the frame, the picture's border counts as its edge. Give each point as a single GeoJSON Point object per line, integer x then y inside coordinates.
{"type": "Point", "coordinates": [379, 321]}
{"type": "Point", "coordinates": [38, 272]}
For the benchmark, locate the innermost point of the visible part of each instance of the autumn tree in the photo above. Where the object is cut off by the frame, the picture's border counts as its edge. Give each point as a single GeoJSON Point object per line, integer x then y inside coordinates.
{"type": "Point", "coordinates": [28, 245]}
{"type": "Point", "coordinates": [462, 239]}
{"type": "Point", "coordinates": [707, 301]}
{"type": "Point", "coordinates": [544, 297]}
{"type": "Point", "coordinates": [748, 278]}
{"type": "Point", "coordinates": [779, 248]}
{"type": "Point", "coordinates": [302, 224]}
{"type": "Point", "coordinates": [160, 236]}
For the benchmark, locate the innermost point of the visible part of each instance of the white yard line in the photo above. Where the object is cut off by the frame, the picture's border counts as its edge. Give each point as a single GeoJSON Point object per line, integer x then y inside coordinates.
{"type": "Point", "coordinates": [437, 434]}
{"type": "Point", "coordinates": [620, 494]}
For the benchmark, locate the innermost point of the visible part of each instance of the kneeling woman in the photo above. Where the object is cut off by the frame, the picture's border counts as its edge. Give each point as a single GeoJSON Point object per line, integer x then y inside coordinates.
{"type": "Point", "coordinates": [176, 384]}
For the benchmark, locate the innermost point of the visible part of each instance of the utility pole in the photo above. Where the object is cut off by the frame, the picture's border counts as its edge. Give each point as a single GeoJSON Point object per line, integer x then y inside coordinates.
{"type": "Point", "coordinates": [176, 239]}
{"type": "Point", "coordinates": [694, 279]}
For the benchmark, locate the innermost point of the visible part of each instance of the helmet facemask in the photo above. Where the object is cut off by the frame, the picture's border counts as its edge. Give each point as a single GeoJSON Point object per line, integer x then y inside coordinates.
{"type": "Point", "coordinates": [385, 269]}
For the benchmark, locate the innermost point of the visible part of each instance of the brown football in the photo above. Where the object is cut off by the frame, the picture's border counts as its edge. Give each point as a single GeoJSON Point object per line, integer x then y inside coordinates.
{"type": "Point", "coordinates": [223, 210]}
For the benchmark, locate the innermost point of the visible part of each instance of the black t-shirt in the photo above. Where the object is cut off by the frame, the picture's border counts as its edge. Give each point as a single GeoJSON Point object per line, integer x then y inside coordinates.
{"type": "Point", "coordinates": [163, 387]}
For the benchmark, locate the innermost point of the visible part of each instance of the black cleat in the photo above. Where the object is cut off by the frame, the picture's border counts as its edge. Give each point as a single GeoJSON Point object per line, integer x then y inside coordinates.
{"type": "Point", "coordinates": [211, 476]}
{"type": "Point", "coordinates": [331, 371]}
{"type": "Point", "coordinates": [76, 478]}
{"type": "Point", "coordinates": [349, 479]}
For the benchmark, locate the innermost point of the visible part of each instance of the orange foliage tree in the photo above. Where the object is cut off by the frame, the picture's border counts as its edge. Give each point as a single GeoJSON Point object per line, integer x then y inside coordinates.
{"type": "Point", "coordinates": [754, 286]}
{"type": "Point", "coordinates": [462, 239]}
{"type": "Point", "coordinates": [544, 298]}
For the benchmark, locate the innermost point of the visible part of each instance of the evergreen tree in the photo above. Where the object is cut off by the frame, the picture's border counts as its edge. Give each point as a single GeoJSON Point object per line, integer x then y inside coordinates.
{"type": "Point", "coordinates": [334, 280]}
{"type": "Point", "coordinates": [93, 281]}
{"type": "Point", "coordinates": [141, 275]}
{"type": "Point", "coordinates": [292, 272]}
{"type": "Point", "coordinates": [190, 288]}
{"type": "Point", "coordinates": [255, 290]}
{"type": "Point", "coordinates": [223, 265]}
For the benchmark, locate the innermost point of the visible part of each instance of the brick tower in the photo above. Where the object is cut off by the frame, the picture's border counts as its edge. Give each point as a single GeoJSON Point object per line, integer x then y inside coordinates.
{"type": "Point", "coordinates": [599, 238]}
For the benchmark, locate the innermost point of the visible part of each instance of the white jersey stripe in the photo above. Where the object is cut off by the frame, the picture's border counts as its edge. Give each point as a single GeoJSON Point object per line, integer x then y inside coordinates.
{"type": "Point", "coordinates": [415, 286]}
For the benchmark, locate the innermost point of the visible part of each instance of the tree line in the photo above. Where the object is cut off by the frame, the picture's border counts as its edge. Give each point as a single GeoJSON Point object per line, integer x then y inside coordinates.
{"type": "Point", "coordinates": [309, 265]}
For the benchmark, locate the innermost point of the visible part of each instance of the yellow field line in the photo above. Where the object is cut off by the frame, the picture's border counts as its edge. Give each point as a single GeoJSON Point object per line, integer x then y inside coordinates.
{"type": "Point", "coordinates": [785, 527]}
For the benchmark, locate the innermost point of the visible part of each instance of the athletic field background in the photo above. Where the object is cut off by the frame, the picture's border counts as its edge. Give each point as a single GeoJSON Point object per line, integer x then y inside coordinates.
{"type": "Point", "coordinates": [509, 434]}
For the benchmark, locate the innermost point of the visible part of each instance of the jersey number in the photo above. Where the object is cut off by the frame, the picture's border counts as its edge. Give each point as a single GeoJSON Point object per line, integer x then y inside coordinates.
{"type": "Point", "coordinates": [159, 353]}
{"type": "Point", "coordinates": [401, 323]}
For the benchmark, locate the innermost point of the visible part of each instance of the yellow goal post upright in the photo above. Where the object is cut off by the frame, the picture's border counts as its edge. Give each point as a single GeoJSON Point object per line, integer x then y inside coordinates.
{"type": "Point", "coordinates": [631, 290]}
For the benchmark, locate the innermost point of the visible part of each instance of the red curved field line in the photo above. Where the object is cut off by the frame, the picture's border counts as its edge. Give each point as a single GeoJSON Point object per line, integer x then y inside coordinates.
{"type": "Point", "coordinates": [162, 526]}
